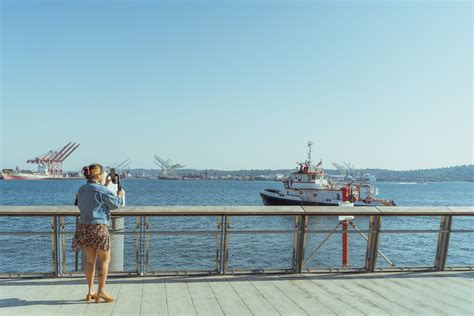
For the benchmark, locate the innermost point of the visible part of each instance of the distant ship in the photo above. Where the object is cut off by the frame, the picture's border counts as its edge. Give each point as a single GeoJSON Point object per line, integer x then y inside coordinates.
{"type": "Point", "coordinates": [10, 174]}
{"type": "Point", "coordinates": [351, 174]}
{"type": "Point", "coordinates": [310, 186]}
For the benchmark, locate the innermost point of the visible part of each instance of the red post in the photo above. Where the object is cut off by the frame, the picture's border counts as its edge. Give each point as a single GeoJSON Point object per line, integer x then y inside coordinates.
{"type": "Point", "coordinates": [345, 243]}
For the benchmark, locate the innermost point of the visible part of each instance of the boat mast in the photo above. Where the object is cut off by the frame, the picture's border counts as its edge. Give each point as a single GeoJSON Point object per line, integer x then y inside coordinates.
{"type": "Point", "coordinates": [310, 143]}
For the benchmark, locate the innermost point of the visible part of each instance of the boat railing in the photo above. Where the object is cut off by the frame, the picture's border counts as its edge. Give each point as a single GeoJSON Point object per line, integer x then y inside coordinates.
{"type": "Point", "coordinates": [164, 240]}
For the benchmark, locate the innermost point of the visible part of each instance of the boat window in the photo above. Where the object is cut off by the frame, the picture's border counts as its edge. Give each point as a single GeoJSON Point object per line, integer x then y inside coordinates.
{"type": "Point", "coordinates": [313, 177]}
{"type": "Point", "coordinates": [338, 197]}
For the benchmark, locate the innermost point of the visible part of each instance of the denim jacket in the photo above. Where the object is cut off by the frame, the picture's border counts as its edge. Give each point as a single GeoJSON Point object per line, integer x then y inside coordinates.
{"type": "Point", "coordinates": [95, 202]}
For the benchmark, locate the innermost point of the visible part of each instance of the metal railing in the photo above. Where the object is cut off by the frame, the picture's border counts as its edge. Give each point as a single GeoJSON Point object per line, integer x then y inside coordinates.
{"type": "Point", "coordinates": [163, 240]}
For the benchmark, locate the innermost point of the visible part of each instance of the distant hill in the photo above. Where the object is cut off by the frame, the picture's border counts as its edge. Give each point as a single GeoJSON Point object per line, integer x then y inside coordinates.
{"type": "Point", "coordinates": [455, 173]}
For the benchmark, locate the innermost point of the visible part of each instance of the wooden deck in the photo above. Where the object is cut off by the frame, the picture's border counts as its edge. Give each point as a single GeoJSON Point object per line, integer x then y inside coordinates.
{"type": "Point", "coordinates": [409, 293]}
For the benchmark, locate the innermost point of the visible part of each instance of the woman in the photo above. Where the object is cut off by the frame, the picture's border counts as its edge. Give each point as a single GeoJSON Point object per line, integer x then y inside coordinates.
{"type": "Point", "coordinates": [95, 202]}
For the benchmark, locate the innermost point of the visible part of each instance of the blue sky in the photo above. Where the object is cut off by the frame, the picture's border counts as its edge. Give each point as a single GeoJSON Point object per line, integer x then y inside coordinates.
{"type": "Point", "coordinates": [238, 84]}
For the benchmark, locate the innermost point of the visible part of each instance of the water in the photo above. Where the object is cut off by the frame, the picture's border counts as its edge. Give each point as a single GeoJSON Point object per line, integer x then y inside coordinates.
{"type": "Point", "coordinates": [247, 251]}
{"type": "Point", "coordinates": [200, 192]}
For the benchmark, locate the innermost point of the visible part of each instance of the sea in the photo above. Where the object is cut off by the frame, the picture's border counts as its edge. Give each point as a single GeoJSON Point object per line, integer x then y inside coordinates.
{"type": "Point", "coordinates": [166, 248]}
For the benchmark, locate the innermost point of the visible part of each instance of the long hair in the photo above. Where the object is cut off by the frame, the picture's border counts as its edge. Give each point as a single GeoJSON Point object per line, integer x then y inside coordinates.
{"type": "Point", "coordinates": [91, 171]}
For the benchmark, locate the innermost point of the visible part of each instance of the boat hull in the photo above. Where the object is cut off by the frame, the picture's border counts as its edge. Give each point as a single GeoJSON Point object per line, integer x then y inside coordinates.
{"type": "Point", "coordinates": [272, 200]}
{"type": "Point", "coordinates": [23, 176]}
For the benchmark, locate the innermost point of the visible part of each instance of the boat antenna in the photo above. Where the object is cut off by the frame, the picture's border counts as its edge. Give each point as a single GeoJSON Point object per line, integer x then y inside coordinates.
{"type": "Point", "coordinates": [310, 143]}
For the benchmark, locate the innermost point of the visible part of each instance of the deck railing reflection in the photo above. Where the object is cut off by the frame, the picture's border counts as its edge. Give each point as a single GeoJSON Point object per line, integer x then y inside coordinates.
{"type": "Point", "coordinates": [163, 240]}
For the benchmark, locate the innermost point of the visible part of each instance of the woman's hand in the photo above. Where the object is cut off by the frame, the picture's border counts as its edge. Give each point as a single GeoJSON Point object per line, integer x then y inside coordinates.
{"type": "Point", "coordinates": [120, 193]}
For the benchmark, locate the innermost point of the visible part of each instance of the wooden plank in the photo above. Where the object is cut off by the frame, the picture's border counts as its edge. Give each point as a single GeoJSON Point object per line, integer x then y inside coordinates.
{"type": "Point", "coordinates": [128, 300]}
{"type": "Point", "coordinates": [452, 287]}
{"type": "Point", "coordinates": [154, 297]}
{"type": "Point", "coordinates": [341, 291]}
{"type": "Point", "coordinates": [422, 295]}
{"type": "Point", "coordinates": [404, 297]}
{"type": "Point", "coordinates": [276, 298]}
{"type": "Point", "coordinates": [365, 294]}
{"type": "Point", "coordinates": [451, 303]}
{"type": "Point", "coordinates": [178, 298]}
{"type": "Point", "coordinates": [200, 290]}
{"type": "Point", "coordinates": [17, 299]}
{"type": "Point", "coordinates": [309, 304]}
{"type": "Point", "coordinates": [153, 306]}
{"type": "Point", "coordinates": [256, 302]}
{"type": "Point", "coordinates": [154, 289]}
{"type": "Point", "coordinates": [228, 299]}
{"type": "Point", "coordinates": [207, 306]}
{"type": "Point", "coordinates": [334, 304]}
{"type": "Point", "coordinates": [47, 298]}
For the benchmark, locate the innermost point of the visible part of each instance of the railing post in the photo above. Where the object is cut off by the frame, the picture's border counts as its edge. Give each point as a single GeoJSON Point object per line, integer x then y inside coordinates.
{"type": "Point", "coordinates": [299, 243]}
{"type": "Point", "coordinates": [375, 222]}
{"type": "Point", "coordinates": [63, 245]}
{"type": "Point", "coordinates": [142, 245]}
{"type": "Point", "coordinates": [443, 242]}
{"type": "Point", "coordinates": [147, 245]}
{"type": "Point", "coordinates": [138, 226]}
{"type": "Point", "coordinates": [225, 244]}
{"type": "Point", "coordinates": [76, 253]}
{"type": "Point", "coordinates": [219, 242]}
{"type": "Point", "coordinates": [55, 246]}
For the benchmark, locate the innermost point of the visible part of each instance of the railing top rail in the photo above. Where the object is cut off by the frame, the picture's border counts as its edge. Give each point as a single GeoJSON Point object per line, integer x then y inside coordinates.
{"type": "Point", "coordinates": [244, 210]}
{"type": "Point", "coordinates": [263, 210]}
{"type": "Point", "coordinates": [340, 210]}
{"type": "Point", "coordinates": [426, 210]}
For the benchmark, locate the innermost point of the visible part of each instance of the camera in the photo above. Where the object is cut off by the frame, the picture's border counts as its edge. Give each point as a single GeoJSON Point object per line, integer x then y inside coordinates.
{"type": "Point", "coordinates": [115, 178]}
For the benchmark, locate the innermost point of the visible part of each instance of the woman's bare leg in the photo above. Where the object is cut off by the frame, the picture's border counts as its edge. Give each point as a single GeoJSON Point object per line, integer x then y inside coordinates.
{"type": "Point", "coordinates": [104, 257]}
{"type": "Point", "coordinates": [89, 270]}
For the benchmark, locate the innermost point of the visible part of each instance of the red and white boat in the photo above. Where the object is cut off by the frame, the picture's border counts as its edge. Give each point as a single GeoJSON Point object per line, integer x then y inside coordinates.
{"type": "Point", "coordinates": [310, 186]}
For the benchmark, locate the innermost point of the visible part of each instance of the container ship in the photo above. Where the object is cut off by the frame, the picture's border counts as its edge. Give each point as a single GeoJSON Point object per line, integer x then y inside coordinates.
{"type": "Point", "coordinates": [10, 174]}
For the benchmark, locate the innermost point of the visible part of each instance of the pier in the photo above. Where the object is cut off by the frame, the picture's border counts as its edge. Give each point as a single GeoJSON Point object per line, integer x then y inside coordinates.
{"type": "Point", "coordinates": [407, 293]}
{"type": "Point", "coordinates": [224, 278]}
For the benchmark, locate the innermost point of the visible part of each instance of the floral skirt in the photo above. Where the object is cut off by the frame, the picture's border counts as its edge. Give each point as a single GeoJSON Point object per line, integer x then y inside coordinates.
{"type": "Point", "coordinates": [91, 235]}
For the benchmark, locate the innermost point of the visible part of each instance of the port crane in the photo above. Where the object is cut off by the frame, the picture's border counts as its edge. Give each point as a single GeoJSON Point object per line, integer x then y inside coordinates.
{"type": "Point", "coordinates": [52, 161]}
{"type": "Point", "coordinates": [169, 170]}
{"type": "Point", "coordinates": [122, 165]}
